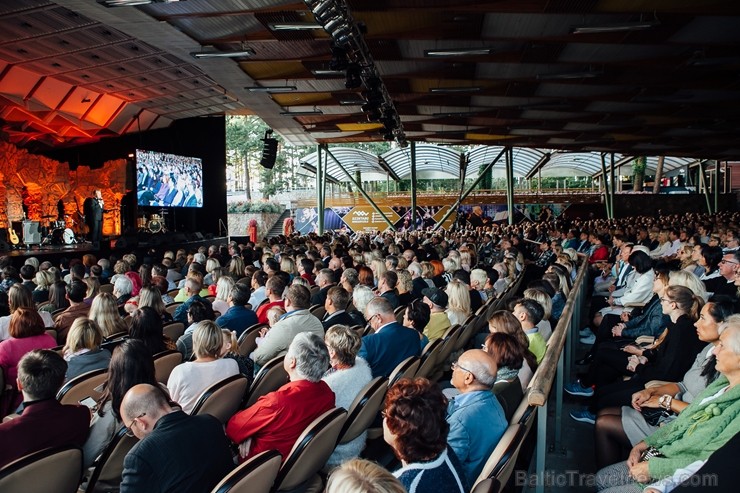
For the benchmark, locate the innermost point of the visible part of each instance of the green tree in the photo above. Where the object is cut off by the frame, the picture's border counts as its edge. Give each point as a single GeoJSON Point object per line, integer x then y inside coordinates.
{"type": "Point", "coordinates": [638, 170]}
{"type": "Point", "coordinates": [243, 148]}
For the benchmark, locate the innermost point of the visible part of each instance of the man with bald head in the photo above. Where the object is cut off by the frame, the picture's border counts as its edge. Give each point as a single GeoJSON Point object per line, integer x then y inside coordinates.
{"type": "Point", "coordinates": [476, 418]}
{"type": "Point", "coordinates": [176, 452]}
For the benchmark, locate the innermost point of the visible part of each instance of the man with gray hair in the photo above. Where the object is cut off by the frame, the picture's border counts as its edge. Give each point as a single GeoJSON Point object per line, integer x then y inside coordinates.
{"type": "Point", "coordinates": [277, 419]}
{"type": "Point", "coordinates": [390, 343]}
{"type": "Point", "coordinates": [474, 374]}
{"type": "Point", "coordinates": [325, 281]}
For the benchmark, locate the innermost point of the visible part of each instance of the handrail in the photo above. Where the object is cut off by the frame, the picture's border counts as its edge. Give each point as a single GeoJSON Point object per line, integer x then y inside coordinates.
{"type": "Point", "coordinates": [539, 387]}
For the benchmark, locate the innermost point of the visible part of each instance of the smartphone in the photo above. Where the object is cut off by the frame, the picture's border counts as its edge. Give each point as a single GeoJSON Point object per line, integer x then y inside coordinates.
{"type": "Point", "coordinates": [89, 402]}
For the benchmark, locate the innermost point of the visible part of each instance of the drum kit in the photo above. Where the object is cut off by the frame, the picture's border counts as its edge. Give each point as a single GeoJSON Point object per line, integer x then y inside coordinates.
{"type": "Point", "coordinates": [154, 224]}
{"type": "Point", "coordinates": [60, 232]}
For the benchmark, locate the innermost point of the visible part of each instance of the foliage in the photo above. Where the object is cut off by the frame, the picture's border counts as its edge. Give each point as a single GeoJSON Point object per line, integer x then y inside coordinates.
{"type": "Point", "coordinates": [638, 168]}
{"type": "Point", "coordinates": [244, 207]}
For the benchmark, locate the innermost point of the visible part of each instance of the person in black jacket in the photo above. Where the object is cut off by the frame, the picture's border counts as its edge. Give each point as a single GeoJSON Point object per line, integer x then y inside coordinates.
{"type": "Point", "coordinates": [176, 451]}
{"type": "Point", "coordinates": [336, 302]}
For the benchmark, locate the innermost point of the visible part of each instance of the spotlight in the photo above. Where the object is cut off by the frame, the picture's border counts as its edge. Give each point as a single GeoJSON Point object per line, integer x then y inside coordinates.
{"type": "Point", "coordinates": [354, 79]}
{"type": "Point", "coordinates": [338, 58]}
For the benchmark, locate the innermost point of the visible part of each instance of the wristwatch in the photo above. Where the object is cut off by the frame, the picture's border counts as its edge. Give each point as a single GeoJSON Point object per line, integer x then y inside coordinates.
{"type": "Point", "coordinates": [665, 401]}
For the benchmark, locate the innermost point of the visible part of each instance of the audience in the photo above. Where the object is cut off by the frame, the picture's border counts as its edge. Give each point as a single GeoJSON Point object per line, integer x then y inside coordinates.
{"type": "Point", "coordinates": [390, 343]}
{"type": "Point", "coordinates": [82, 352]}
{"type": "Point", "coordinates": [76, 292]}
{"type": "Point", "coordinates": [238, 317]}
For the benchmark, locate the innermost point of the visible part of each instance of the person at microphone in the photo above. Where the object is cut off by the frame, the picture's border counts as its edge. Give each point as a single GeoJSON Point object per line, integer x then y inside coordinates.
{"type": "Point", "coordinates": [94, 216]}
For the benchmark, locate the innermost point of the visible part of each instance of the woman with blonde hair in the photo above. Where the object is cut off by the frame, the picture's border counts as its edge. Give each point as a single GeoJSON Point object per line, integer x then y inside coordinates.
{"type": "Point", "coordinates": [151, 297]}
{"type": "Point", "coordinates": [211, 264]}
{"type": "Point", "coordinates": [685, 255]}
{"type": "Point", "coordinates": [188, 380]}
{"type": "Point", "coordinates": [288, 265]}
{"type": "Point", "coordinates": [689, 280]}
{"type": "Point", "coordinates": [93, 288]}
{"type": "Point", "coordinates": [458, 302]}
{"type": "Point", "coordinates": [236, 268]}
{"type": "Point", "coordinates": [427, 273]}
{"type": "Point", "coordinates": [119, 269]}
{"type": "Point", "coordinates": [223, 289]}
{"type": "Point", "coordinates": [104, 312]}
{"type": "Point", "coordinates": [378, 267]}
{"type": "Point", "coordinates": [82, 351]}
{"type": "Point", "coordinates": [363, 476]}
{"type": "Point", "coordinates": [43, 280]}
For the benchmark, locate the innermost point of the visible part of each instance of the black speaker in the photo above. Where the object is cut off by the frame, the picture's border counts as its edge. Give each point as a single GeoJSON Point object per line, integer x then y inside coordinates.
{"type": "Point", "coordinates": [179, 238]}
{"type": "Point", "coordinates": [269, 152]}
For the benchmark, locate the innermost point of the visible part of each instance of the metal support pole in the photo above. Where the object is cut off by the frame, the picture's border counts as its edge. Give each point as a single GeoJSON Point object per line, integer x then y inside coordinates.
{"type": "Point", "coordinates": [606, 186]}
{"type": "Point", "coordinates": [703, 186]}
{"type": "Point", "coordinates": [541, 451]}
{"type": "Point", "coordinates": [510, 184]}
{"type": "Point", "coordinates": [612, 188]}
{"type": "Point", "coordinates": [413, 184]}
{"type": "Point", "coordinates": [716, 186]}
{"type": "Point", "coordinates": [462, 197]}
{"type": "Point", "coordinates": [361, 190]}
{"type": "Point", "coordinates": [320, 191]}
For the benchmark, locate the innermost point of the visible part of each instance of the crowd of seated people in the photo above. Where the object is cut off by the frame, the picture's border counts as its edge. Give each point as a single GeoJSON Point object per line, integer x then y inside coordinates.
{"type": "Point", "coordinates": [384, 298]}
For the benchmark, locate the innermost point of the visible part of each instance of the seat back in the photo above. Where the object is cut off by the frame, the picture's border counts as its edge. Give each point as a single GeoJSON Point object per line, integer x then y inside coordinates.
{"type": "Point", "coordinates": [311, 451]}
{"type": "Point", "coordinates": [52, 470]}
{"type": "Point", "coordinates": [271, 377]}
{"type": "Point", "coordinates": [399, 313]}
{"type": "Point", "coordinates": [405, 369]}
{"type": "Point", "coordinates": [173, 292]}
{"type": "Point", "coordinates": [174, 330]}
{"type": "Point", "coordinates": [248, 339]}
{"type": "Point", "coordinates": [466, 333]}
{"type": "Point", "coordinates": [164, 363]}
{"type": "Point", "coordinates": [82, 386]}
{"type": "Point", "coordinates": [318, 311]}
{"type": "Point", "coordinates": [363, 409]}
{"type": "Point", "coordinates": [314, 289]}
{"type": "Point", "coordinates": [450, 340]}
{"type": "Point", "coordinates": [502, 457]}
{"type": "Point", "coordinates": [256, 475]}
{"type": "Point", "coordinates": [429, 358]}
{"type": "Point", "coordinates": [511, 393]}
{"type": "Point", "coordinates": [172, 307]}
{"type": "Point", "coordinates": [222, 399]}
{"type": "Point", "coordinates": [109, 467]}
{"type": "Point", "coordinates": [106, 288]}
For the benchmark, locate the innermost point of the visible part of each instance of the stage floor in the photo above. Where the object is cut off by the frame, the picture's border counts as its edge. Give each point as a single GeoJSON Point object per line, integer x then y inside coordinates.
{"type": "Point", "coordinates": [54, 253]}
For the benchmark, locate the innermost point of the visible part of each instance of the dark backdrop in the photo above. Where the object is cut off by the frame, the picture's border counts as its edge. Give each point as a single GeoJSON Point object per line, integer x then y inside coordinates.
{"type": "Point", "coordinates": [203, 137]}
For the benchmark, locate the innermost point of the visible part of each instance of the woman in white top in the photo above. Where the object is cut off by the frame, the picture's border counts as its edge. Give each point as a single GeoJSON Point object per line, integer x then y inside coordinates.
{"type": "Point", "coordinates": [188, 381]}
{"type": "Point", "coordinates": [346, 377]}
{"type": "Point", "coordinates": [20, 297]}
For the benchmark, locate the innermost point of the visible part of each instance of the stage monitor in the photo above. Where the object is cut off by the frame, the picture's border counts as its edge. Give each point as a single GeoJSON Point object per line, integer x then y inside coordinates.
{"type": "Point", "coordinates": [168, 180]}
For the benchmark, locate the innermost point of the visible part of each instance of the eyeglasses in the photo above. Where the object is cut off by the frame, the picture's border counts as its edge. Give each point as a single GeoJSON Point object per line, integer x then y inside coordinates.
{"type": "Point", "coordinates": [455, 365]}
{"type": "Point", "coordinates": [723, 261]}
{"type": "Point", "coordinates": [129, 431]}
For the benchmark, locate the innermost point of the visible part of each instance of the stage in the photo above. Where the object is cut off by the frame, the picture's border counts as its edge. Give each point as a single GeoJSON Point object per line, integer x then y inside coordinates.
{"type": "Point", "coordinates": [142, 244]}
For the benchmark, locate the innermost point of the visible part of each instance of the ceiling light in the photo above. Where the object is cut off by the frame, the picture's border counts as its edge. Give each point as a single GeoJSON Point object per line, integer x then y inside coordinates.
{"type": "Point", "coordinates": [615, 28]}
{"type": "Point", "coordinates": [571, 75]}
{"type": "Point", "coordinates": [271, 88]}
{"type": "Point", "coordinates": [223, 54]}
{"type": "Point", "coordinates": [455, 89]}
{"type": "Point", "coordinates": [312, 112]}
{"type": "Point", "coordinates": [320, 72]}
{"type": "Point", "coordinates": [351, 102]}
{"type": "Point", "coordinates": [295, 26]}
{"type": "Point", "coordinates": [458, 52]}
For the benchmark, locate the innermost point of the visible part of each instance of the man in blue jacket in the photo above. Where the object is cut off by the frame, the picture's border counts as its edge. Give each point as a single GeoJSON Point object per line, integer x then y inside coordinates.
{"type": "Point", "coordinates": [477, 421]}
{"type": "Point", "coordinates": [390, 343]}
{"type": "Point", "coordinates": [238, 317]}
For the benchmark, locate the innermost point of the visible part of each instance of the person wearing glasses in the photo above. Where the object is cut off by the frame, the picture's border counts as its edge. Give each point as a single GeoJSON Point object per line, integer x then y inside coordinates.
{"type": "Point", "coordinates": [474, 375]}
{"type": "Point", "coordinates": [729, 264]}
{"type": "Point", "coordinates": [390, 343]}
{"type": "Point", "coordinates": [176, 451]}
{"type": "Point", "coordinates": [45, 422]}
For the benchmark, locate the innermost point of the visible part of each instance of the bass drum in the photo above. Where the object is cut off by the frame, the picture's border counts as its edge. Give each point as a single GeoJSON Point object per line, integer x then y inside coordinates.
{"type": "Point", "coordinates": [154, 226]}
{"type": "Point", "coordinates": [68, 236]}
{"type": "Point", "coordinates": [57, 237]}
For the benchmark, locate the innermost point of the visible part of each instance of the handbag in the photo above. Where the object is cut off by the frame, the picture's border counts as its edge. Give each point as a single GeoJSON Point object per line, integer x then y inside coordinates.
{"type": "Point", "coordinates": [654, 416]}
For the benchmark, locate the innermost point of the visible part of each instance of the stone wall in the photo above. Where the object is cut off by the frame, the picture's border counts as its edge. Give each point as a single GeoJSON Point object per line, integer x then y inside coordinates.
{"type": "Point", "coordinates": [40, 182]}
{"type": "Point", "coordinates": [238, 223]}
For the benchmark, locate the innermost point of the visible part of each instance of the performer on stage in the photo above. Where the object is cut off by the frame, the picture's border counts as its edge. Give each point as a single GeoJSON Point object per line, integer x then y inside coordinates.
{"type": "Point", "coordinates": [94, 216]}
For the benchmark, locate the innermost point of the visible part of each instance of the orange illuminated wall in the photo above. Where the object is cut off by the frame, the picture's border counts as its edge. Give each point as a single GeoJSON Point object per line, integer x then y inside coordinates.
{"type": "Point", "coordinates": [41, 182]}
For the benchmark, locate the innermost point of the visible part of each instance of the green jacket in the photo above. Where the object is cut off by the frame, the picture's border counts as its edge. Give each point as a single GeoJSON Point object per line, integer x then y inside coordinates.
{"type": "Point", "coordinates": [683, 445]}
